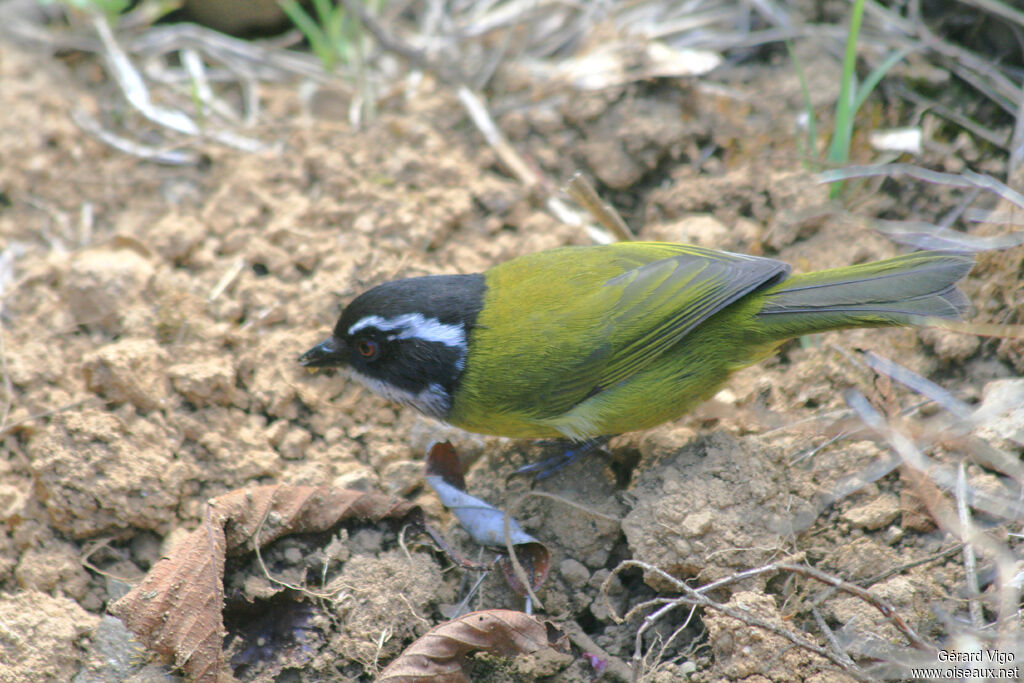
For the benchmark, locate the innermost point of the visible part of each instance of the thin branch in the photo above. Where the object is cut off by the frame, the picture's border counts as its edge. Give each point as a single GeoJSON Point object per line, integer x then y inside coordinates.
{"type": "Point", "coordinates": [584, 194]}
{"type": "Point", "coordinates": [970, 561]}
{"type": "Point", "coordinates": [941, 555]}
{"type": "Point", "coordinates": [171, 157]}
{"type": "Point", "coordinates": [616, 667]}
{"type": "Point", "coordinates": [697, 597]}
{"type": "Point", "coordinates": [884, 607]}
{"type": "Point", "coordinates": [967, 179]}
{"type": "Point", "coordinates": [998, 8]}
{"type": "Point", "coordinates": [830, 637]}
{"type": "Point", "coordinates": [10, 427]}
{"type": "Point", "coordinates": [256, 546]}
{"type": "Point", "coordinates": [481, 118]}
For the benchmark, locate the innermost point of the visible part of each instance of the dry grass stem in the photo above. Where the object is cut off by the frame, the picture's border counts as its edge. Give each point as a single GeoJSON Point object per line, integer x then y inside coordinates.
{"type": "Point", "coordinates": [584, 194]}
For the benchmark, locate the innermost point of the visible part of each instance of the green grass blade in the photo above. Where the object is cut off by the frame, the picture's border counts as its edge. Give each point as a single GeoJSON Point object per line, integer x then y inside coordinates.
{"type": "Point", "coordinates": [324, 12]}
{"type": "Point", "coordinates": [318, 41]}
{"type": "Point", "coordinates": [337, 32]}
{"type": "Point", "coordinates": [839, 149]}
{"type": "Point", "coordinates": [876, 76]}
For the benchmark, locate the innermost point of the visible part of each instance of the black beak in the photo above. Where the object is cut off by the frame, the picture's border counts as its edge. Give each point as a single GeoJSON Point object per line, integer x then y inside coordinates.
{"type": "Point", "coordinates": [328, 353]}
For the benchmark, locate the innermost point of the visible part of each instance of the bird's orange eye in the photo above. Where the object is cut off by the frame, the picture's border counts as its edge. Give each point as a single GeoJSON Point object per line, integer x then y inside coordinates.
{"type": "Point", "coordinates": [367, 348]}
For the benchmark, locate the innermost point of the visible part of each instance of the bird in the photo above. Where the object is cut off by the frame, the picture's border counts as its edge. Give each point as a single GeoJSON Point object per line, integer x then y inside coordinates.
{"type": "Point", "coordinates": [587, 342]}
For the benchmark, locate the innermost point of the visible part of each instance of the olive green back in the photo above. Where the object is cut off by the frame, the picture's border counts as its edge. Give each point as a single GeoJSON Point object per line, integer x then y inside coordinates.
{"type": "Point", "coordinates": [561, 326]}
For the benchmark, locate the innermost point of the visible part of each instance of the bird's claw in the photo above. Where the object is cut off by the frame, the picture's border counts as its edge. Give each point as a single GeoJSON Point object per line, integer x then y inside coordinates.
{"type": "Point", "coordinates": [548, 467]}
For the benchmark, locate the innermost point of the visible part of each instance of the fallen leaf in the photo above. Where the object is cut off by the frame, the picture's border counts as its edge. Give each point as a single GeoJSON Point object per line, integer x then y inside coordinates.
{"type": "Point", "coordinates": [439, 655]}
{"type": "Point", "coordinates": [177, 609]}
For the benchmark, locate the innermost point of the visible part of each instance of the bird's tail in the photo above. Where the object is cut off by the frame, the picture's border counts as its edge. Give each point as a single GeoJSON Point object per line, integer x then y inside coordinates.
{"type": "Point", "coordinates": [906, 290]}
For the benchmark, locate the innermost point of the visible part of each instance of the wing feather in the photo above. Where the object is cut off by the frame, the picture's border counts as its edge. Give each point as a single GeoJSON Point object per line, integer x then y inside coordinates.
{"type": "Point", "coordinates": [651, 307]}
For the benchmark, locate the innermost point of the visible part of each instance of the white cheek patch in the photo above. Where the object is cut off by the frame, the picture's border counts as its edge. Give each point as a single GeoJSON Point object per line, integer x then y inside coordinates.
{"type": "Point", "coordinates": [433, 401]}
{"type": "Point", "coordinates": [415, 326]}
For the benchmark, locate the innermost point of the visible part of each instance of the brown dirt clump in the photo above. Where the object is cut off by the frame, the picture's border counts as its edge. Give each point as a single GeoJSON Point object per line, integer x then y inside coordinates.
{"type": "Point", "coordinates": [43, 636]}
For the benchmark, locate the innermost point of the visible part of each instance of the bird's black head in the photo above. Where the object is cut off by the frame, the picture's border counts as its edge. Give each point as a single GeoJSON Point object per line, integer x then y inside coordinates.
{"type": "Point", "coordinates": [406, 340]}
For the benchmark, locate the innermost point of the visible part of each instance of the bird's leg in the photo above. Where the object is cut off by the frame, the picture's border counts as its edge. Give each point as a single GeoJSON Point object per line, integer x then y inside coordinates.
{"type": "Point", "coordinates": [549, 466]}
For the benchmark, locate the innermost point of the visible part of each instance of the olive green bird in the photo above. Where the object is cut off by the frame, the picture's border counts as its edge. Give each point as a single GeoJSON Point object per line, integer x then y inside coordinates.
{"type": "Point", "coordinates": [586, 342]}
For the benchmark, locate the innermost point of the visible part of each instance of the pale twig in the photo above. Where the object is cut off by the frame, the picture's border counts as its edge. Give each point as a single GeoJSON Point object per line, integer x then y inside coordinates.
{"type": "Point", "coordinates": [135, 91]}
{"type": "Point", "coordinates": [921, 385]}
{"type": "Point", "coordinates": [988, 456]}
{"type": "Point", "coordinates": [697, 597]}
{"type": "Point", "coordinates": [886, 609]}
{"type": "Point", "coordinates": [893, 571]}
{"type": "Point", "coordinates": [517, 567]}
{"type": "Point", "coordinates": [485, 20]}
{"type": "Point", "coordinates": [585, 509]}
{"type": "Point", "coordinates": [851, 483]}
{"type": "Point", "coordinates": [649, 621]}
{"type": "Point", "coordinates": [584, 194]}
{"type": "Point", "coordinates": [172, 157]}
{"type": "Point", "coordinates": [1016, 142]}
{"type": "Point", "coordinates": [60, 219]}
{"type": "Point", "coordinates": [196, 71]}
{"type": "Point", "coordinates": [8, 428]}
{"type": "Point", "coordinates": [970, 561]}
{"type": "Point", "coordinates": [967, 179]}
{"type": "Point", "coordinates": [133, 87]}
{"type": "Point", "coordinates": [995, 217]}
{"type": "Point", "coordinates": [266, 571]}
{"type": "Point", "coordinates": [931, 237]}
{"type": "Point", "coordinates": [470, 101]}
{"type": "Point", "coordinates": [10, 635]}
{"type": "Point", "coordinates": [525, 173]}
{"type": "Point", "coordinates": [226, 279]}
{"type": "Point", "coordinates": [616, 667]}
{"type": "Point", "coordinates": [830, 637]}
{"type": "Point", "coordinates": [481, 118]}
{"type": "Point", "coordinates": [257, 60]}
{"type": "Point", "coordinates": [463, 606]}
{"type": "Point", "coordinates": [998, 8]}
{"type": "Point", "coordinates": [418, 58]}
{"type": "Point", "coordinates": [199, 88]}
{"type": "Point", "coordinates": [1002, 506]}
{"type": "Point", "coordinates": [520, 572]}
{"type": "Point", "coordinates": [402, 545]}
{"type": "Point", "coordinates": [675, 634]}
{"type": "Point", "coordinates": [92, 548]}
{"type": "Point", "coordinates": [976, 70]}
{"type": "Point", "coordinates": [814, 450]}
{"type": "Point", "coordinates": [691, 22]}
{"type": "Point", "coordinates": [1000, 140]}
{"type": "Point", "coordinates": [384, 637]}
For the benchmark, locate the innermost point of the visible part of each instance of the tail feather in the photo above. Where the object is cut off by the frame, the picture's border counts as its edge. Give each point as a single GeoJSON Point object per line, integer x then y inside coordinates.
{"type": "Point", "coordinates": [905, 290]}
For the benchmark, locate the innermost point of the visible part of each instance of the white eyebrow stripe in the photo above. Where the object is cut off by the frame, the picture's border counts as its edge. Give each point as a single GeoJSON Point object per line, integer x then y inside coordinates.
{"type": "Point", "coordinates": [415, 326]}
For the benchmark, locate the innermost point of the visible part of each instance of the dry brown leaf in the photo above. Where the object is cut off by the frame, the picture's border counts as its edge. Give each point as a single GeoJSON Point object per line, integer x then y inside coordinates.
{"type": "Point", "coordinates": [439, 655]}
{"type": "Point", "coordinates": [176, 610]}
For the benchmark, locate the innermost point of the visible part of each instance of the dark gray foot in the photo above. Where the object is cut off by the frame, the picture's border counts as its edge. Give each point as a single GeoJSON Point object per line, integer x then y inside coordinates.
{"type": "Point", "coordinates": [549, 466]}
